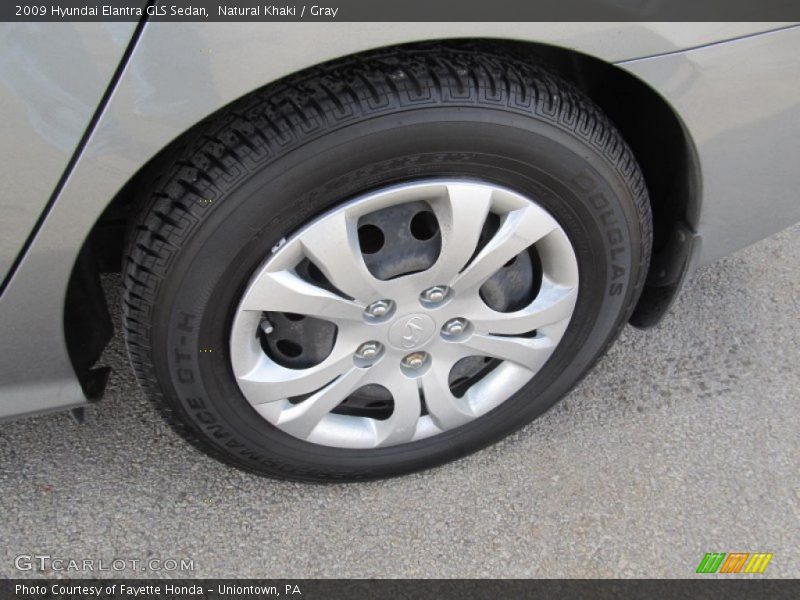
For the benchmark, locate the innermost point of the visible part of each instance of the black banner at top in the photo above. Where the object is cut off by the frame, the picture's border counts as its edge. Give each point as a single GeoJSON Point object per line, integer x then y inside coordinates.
{"type": "Point", "coordinates": [400, 10]}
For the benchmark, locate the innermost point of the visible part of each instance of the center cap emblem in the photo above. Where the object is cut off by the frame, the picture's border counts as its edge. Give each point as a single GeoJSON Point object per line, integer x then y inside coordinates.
{"type": "Point", "coordinates": [411, 331]}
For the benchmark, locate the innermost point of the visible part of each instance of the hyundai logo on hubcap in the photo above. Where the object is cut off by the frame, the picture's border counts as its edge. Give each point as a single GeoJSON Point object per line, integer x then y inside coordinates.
{"type": "Point", "coordinates": [411, 331]}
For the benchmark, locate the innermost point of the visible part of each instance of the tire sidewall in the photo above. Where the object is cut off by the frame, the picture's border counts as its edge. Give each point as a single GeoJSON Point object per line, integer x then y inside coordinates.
{"type": "Point", "coordinates": [571, 179]}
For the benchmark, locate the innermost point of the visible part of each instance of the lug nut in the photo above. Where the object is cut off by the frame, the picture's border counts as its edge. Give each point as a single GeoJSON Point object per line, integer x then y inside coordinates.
{"type": "Point", "coordinates": [455, 327]}
{"type": "Point", "coordinates": [379, 309]}
{"type": "Point", "coordinates": [435, 294]}
{"type": "Point", "coordinates": [368, 350]}
{"type": "Point", "coordinates": [415, 360]}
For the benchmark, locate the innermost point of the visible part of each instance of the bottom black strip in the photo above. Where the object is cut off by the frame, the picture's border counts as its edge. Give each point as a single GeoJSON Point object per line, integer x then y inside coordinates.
{"type": "Point", "coordinates": [439, 589]}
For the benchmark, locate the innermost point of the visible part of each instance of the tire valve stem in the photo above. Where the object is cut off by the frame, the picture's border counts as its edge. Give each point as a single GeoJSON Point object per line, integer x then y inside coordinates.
{"type": "Point", "coordinates": [279, 245]}
{"type": "Point", "coordinates": [266, 327]}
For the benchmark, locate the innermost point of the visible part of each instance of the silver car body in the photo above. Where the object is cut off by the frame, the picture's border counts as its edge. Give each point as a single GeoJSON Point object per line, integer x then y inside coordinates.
{"type": "Point", "coordinates": [86, 105]}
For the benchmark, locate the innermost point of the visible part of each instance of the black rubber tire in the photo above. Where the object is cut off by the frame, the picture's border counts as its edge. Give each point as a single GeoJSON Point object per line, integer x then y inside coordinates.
{"type": "Point", "coordinates": [260, 168]}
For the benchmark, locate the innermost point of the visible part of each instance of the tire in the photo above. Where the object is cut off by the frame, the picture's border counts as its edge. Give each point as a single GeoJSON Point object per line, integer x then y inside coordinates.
{"type": "Point", "coordinates": [279, 160]}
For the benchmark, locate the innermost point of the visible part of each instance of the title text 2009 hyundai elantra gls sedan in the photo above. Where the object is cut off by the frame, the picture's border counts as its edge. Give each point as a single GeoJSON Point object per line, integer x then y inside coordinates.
{"type": "Point", "coordinates": [350, 251]}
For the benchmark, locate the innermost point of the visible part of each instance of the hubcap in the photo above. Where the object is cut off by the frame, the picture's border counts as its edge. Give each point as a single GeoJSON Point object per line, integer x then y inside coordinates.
{"type": "Point", "coordinates": [416, 316]}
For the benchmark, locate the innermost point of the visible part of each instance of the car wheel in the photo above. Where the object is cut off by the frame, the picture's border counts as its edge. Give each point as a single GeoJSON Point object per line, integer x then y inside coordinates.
{"type": "Point", "coordinates": [383, 263]}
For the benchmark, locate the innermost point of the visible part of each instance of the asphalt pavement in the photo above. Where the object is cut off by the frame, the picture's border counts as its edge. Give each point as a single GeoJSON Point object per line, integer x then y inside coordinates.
{"type": "Point", "coordinates": [684, 439]}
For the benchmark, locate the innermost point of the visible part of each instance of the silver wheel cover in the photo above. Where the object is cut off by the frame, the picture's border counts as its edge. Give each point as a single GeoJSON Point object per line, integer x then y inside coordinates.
{"type": "Point", "coordinates": [414, 350]}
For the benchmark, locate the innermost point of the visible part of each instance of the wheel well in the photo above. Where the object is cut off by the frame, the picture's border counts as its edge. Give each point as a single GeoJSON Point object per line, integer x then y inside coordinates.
{"type": "Point", "coordinates": [647, 123]}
